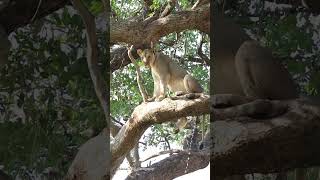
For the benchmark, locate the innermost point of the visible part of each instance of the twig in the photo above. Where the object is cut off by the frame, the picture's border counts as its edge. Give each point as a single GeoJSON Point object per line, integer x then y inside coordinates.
{"type": "Point", "coordinates": [170, 6]}
{"type": "Point", "coordinates": [171, 151]}
{"type": "Point", "coordinates": [139, 79]}
{"type": "Point", "coordinates": [200, 3]}
{"type": "Point", "coordinates": [37, 10]}
{"type": "Point", "coordinates": [200, 53]}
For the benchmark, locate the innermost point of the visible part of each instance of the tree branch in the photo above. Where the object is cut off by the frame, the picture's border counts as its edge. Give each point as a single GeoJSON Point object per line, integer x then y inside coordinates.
{"type": "Point", "coordinates": [92, 55]}
{"type": "Point", "coordinates": [170, 151]}
{"type": "Point", "coordinates": [200, 53]}
{"type": "Point", "coordinates": [139, 78]}
{"type": "Point", "coordinates": [119, 58]}
{"type": "Point", "coordinates": [144, 32]}
{"type": "Point", "coordinates": [173, 166]}
{"type": "Point", "coordinates": [167, 10]}
{"type": "Point", "coordinates": [147, 114]}
{"type": "Point", "coordinates": [244, 145]}
{"type": "Point", "coordinates": [200, 3]}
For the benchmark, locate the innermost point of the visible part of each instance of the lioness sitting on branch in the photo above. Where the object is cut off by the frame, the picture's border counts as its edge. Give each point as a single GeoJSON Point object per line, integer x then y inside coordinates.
{"type": "Point", "coordinates": [167, 73]}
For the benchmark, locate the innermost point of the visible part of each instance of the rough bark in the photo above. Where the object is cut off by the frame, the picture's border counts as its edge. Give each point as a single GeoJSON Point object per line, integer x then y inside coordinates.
{"type": "Point", "coordinates": [20, 13]}
{"type": "Point", "coordinates": [147, 114]}
{"type": "Point", "coordinates": [244, 145]}
{"type": "Point", "coordinates": [143, 32]}
{"type": "Point", "coordinates": [241, 144]}
{"type": "Point", "coordinates": [173, 166]}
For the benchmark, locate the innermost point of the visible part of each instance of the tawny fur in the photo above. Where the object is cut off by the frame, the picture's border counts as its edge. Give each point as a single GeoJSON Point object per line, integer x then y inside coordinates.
{"type": "Point", "coordinates": [168, 74]}
{"type": "Point", "coordinates": [243, 67]}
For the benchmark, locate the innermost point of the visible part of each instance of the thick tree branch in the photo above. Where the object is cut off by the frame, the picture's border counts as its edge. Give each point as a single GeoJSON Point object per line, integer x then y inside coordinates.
{"type": "Point", "coordinates": [144, 32]}
{"type": "Point", "coordinates": [173, 166]}
{"type": "Point", "coordinates": [147, 114]}
{"type": "Point", "coordinates": [244, 145]}
{"type": "Point", "coordinates": [19, 13]}
{"type": "Point", "coordinates": [132, 157]}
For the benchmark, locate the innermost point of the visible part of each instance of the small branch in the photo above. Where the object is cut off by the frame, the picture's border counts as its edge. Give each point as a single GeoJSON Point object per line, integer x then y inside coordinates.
{"type": "Point", "coordinates": [134, 158]}
{"type": "Point", "coordinates": [200, 3]}
{"type": "Point", "coordinates": [168, 43]}
{"type": "Point", "coordinates": [144, 32]}
{"type": "Point", "coordinates": [37, 10]}
{"type": "Point", "coordinates": [146, 8]}
{"type": "Point", "coordinates": [115, 128]}
{"type": "Point", "coordinates": [148, 2]}
{"type": "Point", "coordinates": [171, 151]}
{"type": "Point", "coordinates": [191, 59]}
{"type": "Point", "coordinates": [200, 53]}
{"type": "Point", "coordinates": [139, 78]}
{"type": "Point", "coordinates": [240, 107]}
{"type": "Point", "coordinates": [170, 6]}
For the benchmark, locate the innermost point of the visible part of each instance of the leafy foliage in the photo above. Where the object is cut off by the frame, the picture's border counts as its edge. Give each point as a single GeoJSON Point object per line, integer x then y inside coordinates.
{"type": "Point", "coordinates": [48, 104]}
